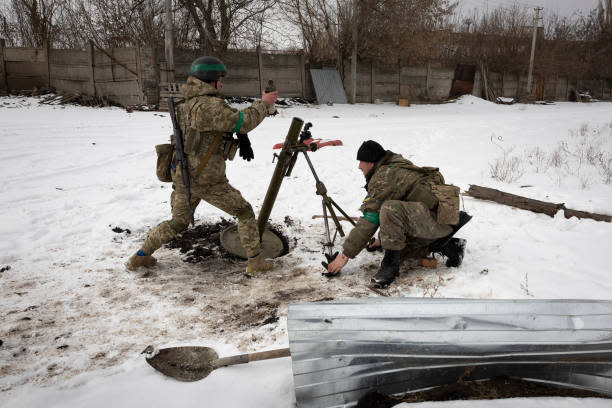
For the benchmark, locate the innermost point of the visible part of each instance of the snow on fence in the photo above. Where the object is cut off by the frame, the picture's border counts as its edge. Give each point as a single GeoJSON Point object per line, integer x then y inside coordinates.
{"type": "Point", "coordinates": [130, 76]}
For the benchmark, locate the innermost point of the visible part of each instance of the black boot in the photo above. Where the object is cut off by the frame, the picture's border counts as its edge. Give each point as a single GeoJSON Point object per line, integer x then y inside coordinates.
{"type": "Point", "coordinates": [454, 251]}
{"type": "Point", "coordinates": [389, 269]}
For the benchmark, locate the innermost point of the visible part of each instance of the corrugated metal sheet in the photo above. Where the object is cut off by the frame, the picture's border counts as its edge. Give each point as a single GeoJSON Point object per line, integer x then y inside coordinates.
{"type": "Point", "coordinates": [328, 86]}
{"type": "Point", "coordinates": [342, 350]}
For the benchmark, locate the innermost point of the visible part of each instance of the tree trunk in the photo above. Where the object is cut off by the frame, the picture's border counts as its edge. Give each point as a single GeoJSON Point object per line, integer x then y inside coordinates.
{"type": "Point", "coordinates": [485, 193]}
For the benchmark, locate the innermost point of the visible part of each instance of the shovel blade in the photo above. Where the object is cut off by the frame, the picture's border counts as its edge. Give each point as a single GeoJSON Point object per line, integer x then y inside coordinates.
{"type": "Point", "coordinates": [189, 364]}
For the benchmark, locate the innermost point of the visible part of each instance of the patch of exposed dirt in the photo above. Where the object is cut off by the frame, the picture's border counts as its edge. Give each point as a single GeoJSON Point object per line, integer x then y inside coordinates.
{"type": "Point", "coordinates": [204, 241]}
{"type": "Point", "coordinates": [120, 230]}
{"type": "Point", "coordinates": [98, 317]}
{"type": "Point", "coordinates": [201, 242]}
{"type": "Point", "coordinates": [495, 388]}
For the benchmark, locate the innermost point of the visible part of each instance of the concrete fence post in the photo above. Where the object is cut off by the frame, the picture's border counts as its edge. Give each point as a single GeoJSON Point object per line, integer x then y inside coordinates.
{"type": "Point", "coordinates": [46, 47]}
{"type": "Point", "coordinates": [259, 67]}
{"type": "Point", "coordinates": [137, 55]}
{"type": "Point", "coordinates": [428, 78]}
{"type": "Point", "coordinates": [302, 69]}
{"type": "Point", "coordinates": [3, 76]}
{"type": "Point", "coordinates": [92, 69]}
{"type": "Point", "coordinates": [372, 82]}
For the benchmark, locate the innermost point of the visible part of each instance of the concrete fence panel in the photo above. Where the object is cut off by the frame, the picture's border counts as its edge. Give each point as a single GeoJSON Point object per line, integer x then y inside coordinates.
{"type": "Point", "coordinates": [135, 75]}
{"type": "Point", "coordinates": [69, 71]}
{"type": "Point", "coordinates": [415, 79]}
{"type": "Point", "coordinates": [385, 83]}
{"type": "Point", "coordinates": [440, 83]}
{"type": "Point", "coordinates": [26, 68]}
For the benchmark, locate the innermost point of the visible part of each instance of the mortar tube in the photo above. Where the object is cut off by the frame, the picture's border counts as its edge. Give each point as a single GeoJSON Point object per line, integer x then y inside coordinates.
{"type": "Point", "coordinates": [278, 175]}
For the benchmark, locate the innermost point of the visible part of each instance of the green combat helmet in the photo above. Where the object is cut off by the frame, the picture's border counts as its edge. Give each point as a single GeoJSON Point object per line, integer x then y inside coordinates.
{"type": "Point", "coordinates": [207, 69]}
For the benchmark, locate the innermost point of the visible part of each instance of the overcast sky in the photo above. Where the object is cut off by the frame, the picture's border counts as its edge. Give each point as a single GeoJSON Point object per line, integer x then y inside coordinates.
{"type": "Point", "coordinates": [563, 7]}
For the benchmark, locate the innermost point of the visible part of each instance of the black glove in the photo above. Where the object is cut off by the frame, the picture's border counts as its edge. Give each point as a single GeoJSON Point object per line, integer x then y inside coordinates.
{"type": "Point", "coordinates": [374, 249]}
{"type": "Point", "coordinates": [330, 259]}
{"type": "Point", "coordinates": [245, 147]}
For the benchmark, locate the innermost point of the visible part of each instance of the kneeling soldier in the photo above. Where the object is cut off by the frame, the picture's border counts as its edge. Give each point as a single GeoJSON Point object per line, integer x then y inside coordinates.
{"type": "Point", "coordinates": [204, 118]}
{"type": "Point", "coordinates": [417, 214]}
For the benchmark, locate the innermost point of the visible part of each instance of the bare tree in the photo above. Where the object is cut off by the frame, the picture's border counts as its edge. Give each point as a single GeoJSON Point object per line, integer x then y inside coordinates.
{"type": "Point", "coordinates": [383, 26]}
{"type": "Point", "coordinates": [220, 22]}
{"type": "Point", "coordinates": [30, 23]}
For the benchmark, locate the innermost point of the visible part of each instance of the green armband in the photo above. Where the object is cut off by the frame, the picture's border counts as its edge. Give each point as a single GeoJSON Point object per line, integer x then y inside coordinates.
{"type": "Point", "coordinates": [239, 123]}
{"type": "Point", "coordinates": [371, 217]}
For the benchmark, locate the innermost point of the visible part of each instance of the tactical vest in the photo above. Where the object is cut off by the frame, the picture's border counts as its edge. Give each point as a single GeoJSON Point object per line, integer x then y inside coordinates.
{"type": "Point", "coordinates": [197, 142]}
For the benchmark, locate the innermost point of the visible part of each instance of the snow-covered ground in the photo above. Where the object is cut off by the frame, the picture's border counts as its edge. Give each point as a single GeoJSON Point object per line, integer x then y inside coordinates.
{"type": "Point", "coordinates": [74, 321]}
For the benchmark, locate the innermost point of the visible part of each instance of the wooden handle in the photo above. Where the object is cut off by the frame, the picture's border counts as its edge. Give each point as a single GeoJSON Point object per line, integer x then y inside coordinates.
{"type": "Point", "coordinates": [314, 217]}
{"type": "Point", "coordinates": [247, 358]}
{"type": "Point", "coordinates": [267, 355]}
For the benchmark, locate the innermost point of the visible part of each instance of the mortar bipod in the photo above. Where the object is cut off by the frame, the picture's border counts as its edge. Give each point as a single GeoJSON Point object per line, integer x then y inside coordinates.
{"type": "Point", "coordinates": [327, 202]}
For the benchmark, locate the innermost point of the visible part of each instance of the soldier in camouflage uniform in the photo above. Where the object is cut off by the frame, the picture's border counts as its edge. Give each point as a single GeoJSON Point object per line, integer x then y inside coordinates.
{"type": "Point", "coordinates": [203, 118]}
{"type": "Point", "coordinates": [400, 201]}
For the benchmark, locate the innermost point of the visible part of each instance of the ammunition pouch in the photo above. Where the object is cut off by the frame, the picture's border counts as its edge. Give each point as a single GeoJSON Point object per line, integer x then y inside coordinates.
{"type": "Point", "coordinates": [229, 146]}
{"type": "Point", "coordinates": [197, 143]}
{"type": "Point", "coordinates": [448, 203]}
{"type": "Point", "coordinates": [164, 161]}
{"type": "Point", "coordinates": [441, 199]}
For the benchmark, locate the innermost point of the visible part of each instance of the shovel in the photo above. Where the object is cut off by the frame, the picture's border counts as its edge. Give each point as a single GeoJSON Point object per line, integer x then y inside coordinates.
{"type": "Point", "coordinates": [192, 363]}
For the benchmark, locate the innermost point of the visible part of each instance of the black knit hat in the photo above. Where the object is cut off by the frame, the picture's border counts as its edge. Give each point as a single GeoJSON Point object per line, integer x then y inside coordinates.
{"type": "Point", "coordinates": [370, 151]}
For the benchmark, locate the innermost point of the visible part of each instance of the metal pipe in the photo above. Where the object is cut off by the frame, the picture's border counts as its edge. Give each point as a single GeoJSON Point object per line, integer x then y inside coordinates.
{"type": "Point", "coordinates": [279, 172]}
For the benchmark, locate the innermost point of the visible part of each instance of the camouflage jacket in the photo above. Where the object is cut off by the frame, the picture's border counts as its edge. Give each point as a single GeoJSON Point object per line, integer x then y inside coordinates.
{"type": "Point", "coordinates": [392, 178]}
{"type": "Point", "coordinates": [202, 116]}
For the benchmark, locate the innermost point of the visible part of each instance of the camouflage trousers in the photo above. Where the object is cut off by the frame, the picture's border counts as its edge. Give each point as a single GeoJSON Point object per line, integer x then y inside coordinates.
{"type": "Point", "coordinates": [220, 194]}
{"type": "Point", "coordinates": [408, 226]}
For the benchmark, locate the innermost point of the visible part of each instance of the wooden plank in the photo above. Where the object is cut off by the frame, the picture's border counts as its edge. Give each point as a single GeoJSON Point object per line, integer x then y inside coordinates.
{"type": "Point", "coordinates": [25, 54]}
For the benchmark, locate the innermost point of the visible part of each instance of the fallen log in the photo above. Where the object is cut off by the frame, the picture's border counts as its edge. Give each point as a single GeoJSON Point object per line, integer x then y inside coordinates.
{"type": "Point", "coordinates": [524, 203]}
{"type": "Point", "coordinates": [582, 214]}
{"type": "Point", "coordinates": [491, 194]}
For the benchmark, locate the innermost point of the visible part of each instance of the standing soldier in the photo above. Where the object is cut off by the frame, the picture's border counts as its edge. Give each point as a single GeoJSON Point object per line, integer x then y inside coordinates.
{"type": "Point", "coordinates": [417, 214]}
{"type": "Point", "coordinates": [207, 124]}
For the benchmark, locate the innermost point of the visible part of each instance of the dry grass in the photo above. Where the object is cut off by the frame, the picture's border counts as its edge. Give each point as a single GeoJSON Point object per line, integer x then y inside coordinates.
{"type": "Point", "coordinates": [585, 157]}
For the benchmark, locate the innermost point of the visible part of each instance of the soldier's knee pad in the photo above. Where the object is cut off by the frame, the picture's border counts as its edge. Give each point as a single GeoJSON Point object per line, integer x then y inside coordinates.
{"type": "Point", "coordinates": [177, 226]}
{"type": "Point", "coordinates": [245, 213]}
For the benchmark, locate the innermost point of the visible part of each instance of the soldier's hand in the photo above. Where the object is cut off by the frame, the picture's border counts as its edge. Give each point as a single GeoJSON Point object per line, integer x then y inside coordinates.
{"type": "Point", "coordinates": [329, 258]}
{"type": "Point", "coordinates": [246, 152]}
{"type": "Point", "coordinates": [269, 98]}
{"type": "Point", "coordinates": [374, 245]}
{"type": "Point", "coordinates": [336, 263]}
